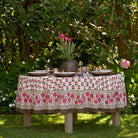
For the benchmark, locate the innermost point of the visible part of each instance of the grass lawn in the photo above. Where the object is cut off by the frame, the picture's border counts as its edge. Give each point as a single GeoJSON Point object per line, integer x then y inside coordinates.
{"type": "Point", "coordinates": [52, 126]}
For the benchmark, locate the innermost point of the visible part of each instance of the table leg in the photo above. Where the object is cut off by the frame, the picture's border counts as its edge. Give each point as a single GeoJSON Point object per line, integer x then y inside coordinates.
{"type": "Point", "coordinates": [69, 123]}
{"type": "Point", "coordinates": [27, 119]}
{"type": "Point", "coordinates": [116, 118]}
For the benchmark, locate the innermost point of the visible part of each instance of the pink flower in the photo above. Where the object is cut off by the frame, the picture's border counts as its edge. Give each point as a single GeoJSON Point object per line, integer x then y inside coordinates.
{"type": "Point", "coordinates": [38, 101]}
{"type": "Point", "coordinates": [83, 97]}
{"type": "Point", "coordinates": [118, 99]}
{"type": "Point", "coordinates": [88, 99]}
{"type": "Point", "coordinates": [87, 93]}
{"type": "Point", "coordinates": [25, 100]}
{"type": "Point", "coordinates": [66, 38]}
{"type": "Point", "coordinates": [61, 36]}
{"type": "Point", "coordinates": [58, 96]}
{"type": "Point", "coordinates": [24, 94]}
{"type": "Point", "coordinates": [116, 93]}
{"type": "Point", "coordinates": [108, 96]}
{"type": "Point", "coordinates": [19, 99]}
{"type": "Point", "coordinates": [44, 100]}
{"type": "Point", "coordinates": [64, 100]}
{"type": "Point", "coordinates": [102, 96]}
{"type": "Point", "coordinates": [43, 94]}
{"type": "Point", "coordinates": [95, 101]}
{"type": "Point", "coordinates": [56, 100]}
{"type": "Point", "coordinates": [106, 102]}
{"type": "Point", "coordinates": [30, 100]}
{"type": "Point", "coordinates": [124, 94]}
{"type": "Point", "coordinates": [54, 94]}
{"type": "Point", "coordinates": [72, 95]}
{"type": "Point", "coordinates": [62, 96]}
{"type": "Point", "coordinates": [91, 95]}
{"type": "Point", "coordinates": [125, 63]}
{"type": "Point", "coordinates": [50, 101]}
{"type": "Point", "coordinates": [36, 97]}
{"type": "Point", "coordinates": [47, 96]}
{"type": "Point", "coordinates": [28, 96]}
{"type": "Point", "coordinates": [78, 96]}
{"type": "Point", "coordinates": [69, 100]}
{"type": "Point", "coordinates": [97, 95]}
{"type": "Point", "coordinates": [99, 99]}
{"type": "Point", "coordinates": [111, 100]}
{"type": "Point", "coordinates": [68, 94]}
{"type": "Point", "coordinates": [120, 95]}
{"type": "Point", "coordinates": [80, 101]}
{"type": "Point", "coordinates": [69, 39]}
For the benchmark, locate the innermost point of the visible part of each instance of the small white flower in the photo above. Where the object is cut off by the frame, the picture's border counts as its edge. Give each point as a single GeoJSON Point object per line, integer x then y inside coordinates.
{"type": "Point", "coordinates": [99, 27]}
{"type": "Point", "coordinates": [78, 32]}
{"type": "Point", "coordinates": [1, 91]}
{"type": "Point", "coordinates": [10, 105]}
{"type": "Point", "coordinates": [132, 96]}
{"type": "Point", "coordinates": [93, 25]}
{"type": "Point", "coordinates": [48, 60]}
{"type": "Point", "coordinates": [15, 92]}
{"type": "Point", "coordinates": [11, 8]}
{"type": "Point", "coordinates": [134, 104]}
{"type": "Point", "coordinates": [87, 38]}
{"type": "Point", "coordinates": [23, 62]}
{"type": "Point", "coordinates": [104, 33]}
{"type": "Point", "coordinates": [47, 29]}
{"type": "Point", "coordinates": [86, 30]}
{"type": "Point", "coordinates": [4, 98]}
{"type": "Point", "coordinates": [77, 22]}
{"type": "Point", "coordinates": [86, 27]}
{"type": "Point", "coordinates": [13, 104]}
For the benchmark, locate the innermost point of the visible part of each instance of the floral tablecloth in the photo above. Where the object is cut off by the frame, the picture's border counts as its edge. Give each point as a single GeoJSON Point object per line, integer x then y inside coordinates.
{"type": "Point", "coordinates": [50, 94]}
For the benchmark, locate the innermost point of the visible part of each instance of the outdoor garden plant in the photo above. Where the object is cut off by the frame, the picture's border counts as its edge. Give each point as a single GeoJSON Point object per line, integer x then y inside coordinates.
{"type": "Point", "coordinates": [66, 47]}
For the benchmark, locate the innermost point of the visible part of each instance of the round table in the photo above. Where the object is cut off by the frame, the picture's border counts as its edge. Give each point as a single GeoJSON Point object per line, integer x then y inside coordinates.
{"type": "Point", "coordinates": [68, 95]}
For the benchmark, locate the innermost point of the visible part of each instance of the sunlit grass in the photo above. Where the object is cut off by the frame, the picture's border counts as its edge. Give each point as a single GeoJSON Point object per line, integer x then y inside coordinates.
{"type": "Point", "coordinates": [52, 125]}
{"type": "Point", "coordinates": [2, 121]}
{"type": "Point", "coordinates": [103, 120]}
{"type": "Point", "coordinates": [1, 137]}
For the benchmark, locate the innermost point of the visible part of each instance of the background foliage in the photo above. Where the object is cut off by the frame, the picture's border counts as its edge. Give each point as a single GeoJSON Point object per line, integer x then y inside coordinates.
{"type": "Point", "coordinates": [105, 32]}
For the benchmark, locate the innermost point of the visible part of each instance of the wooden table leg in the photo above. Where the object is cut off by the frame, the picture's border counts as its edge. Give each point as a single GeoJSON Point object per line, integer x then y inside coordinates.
{"type": "Point", "coordinates": [116, 118]}
{"type": "Point", "coordinates": [69, 123]}
{"type": "Point", "coordinates": [27, 119]}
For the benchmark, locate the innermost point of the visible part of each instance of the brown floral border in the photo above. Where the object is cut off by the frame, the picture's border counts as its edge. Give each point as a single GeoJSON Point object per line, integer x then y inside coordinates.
{"type": "Point", "coordinates": [90, 110]}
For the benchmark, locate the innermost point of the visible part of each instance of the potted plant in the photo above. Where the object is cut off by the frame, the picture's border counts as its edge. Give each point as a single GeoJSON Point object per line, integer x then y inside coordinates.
{"type": "Point", "coordinates": [67, 47]}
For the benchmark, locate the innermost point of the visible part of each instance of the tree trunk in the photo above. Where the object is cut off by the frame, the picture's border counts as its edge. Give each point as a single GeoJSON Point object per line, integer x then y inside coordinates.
{"type": "Point", "coordinates": [122, 47]}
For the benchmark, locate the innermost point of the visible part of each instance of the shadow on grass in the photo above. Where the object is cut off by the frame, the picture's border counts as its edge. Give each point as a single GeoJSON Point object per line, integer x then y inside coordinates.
{"type": "Point", "coordinates": [52, 125]}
